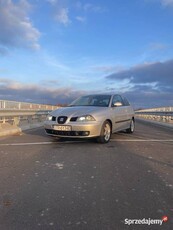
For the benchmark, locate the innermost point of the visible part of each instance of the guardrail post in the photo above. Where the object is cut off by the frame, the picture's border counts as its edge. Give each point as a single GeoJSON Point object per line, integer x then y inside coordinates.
{"type": "Point", "coordinates": [3, 105]}
{"type": "Point", "coordinates": [16, 121]}
{"type": "Point", "coordinates": [29, 119]}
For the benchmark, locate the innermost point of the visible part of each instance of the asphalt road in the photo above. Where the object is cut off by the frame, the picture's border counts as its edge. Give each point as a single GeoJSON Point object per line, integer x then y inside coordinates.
{"type": "Point", "coordinates": [48, 184]}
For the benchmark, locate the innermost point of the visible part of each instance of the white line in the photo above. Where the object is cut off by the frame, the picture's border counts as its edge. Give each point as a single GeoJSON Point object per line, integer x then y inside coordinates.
{"type": "Point", "coordinates": [39, 143]}
{"type": "Point", "coordinates": [70, 142]}
{"type": "Point", "coordinates": [22, 144]}
{"type": "Point", "coordinates": [142, 140]}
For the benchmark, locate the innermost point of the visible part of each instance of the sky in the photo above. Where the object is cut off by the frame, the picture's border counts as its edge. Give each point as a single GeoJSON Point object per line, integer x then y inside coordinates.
{"type": "Point", "coordinates": [53, 51]}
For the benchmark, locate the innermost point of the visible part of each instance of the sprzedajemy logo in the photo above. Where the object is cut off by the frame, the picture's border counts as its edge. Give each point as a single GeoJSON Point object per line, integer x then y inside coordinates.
{"type": "Point", "coordinates": [146, 221]}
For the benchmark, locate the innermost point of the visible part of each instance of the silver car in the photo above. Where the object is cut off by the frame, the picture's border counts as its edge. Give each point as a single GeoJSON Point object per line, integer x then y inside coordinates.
{"type": "Point", "coordinates": [92, 116]}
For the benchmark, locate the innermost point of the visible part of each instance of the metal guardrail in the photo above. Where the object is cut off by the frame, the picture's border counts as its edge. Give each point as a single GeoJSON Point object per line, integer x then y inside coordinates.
{"type": "Point", "coordinates": [163, 114]}
{"type": "Point", "coordinates": [14, 105]}
{"type": "Point", "coordinates": [15, 113]}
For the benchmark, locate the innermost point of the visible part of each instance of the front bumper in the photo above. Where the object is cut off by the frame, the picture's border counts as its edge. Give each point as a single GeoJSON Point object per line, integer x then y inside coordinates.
{"type": "Point", "coordinates": [84, 130]}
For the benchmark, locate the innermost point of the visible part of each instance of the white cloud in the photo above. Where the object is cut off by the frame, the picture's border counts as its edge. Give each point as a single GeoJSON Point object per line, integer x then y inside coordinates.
{"type": "Point", "coordinates": [88, 7]}
{"type": "Point", "coordinates": [158, 46]}
{"type": "Point", "coordinates": [53, 2]}
{"type": "Point", "coordinates": [108, 68]}
{"type": "Point", "coordinates": [163, 3]}
{"type": "Point", "coordinates": [62, 16]}
{"type": "Point", "coordinates": [80, 19]}
{"type": "Point", "coordinates": [53, 61]}
{"type": "Point", "coordinates": [60, 11]}
{"type": "Point", "coordinates": [16, 29]}
{"type": "Point", "coordinates": [63, 8]}
{"type": "Point", "coordinates": [167, 2]}
{"type": "Point", "coordinates": [93, 8]}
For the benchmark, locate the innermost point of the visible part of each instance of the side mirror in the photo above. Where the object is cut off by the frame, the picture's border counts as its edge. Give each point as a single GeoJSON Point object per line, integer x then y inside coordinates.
{"type": "Point", "coordinates": [117, 104]}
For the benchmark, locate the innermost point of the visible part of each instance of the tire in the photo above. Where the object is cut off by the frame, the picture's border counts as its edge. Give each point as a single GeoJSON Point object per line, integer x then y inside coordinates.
{"type": "Point", "coordinates": [105, 134]}
{"type": "Point", "coordinates": [132, 126]}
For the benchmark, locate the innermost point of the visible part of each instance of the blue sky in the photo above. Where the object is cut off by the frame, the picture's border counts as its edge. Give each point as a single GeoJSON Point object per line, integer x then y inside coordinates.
{"type": "Point", "coordinates": [52, 51]}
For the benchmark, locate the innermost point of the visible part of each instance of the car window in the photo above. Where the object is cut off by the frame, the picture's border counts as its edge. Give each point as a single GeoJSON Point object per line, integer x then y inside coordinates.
{"type": "Point", "coordinates": [126, 103]}
{"type": "Point", "coordinates": [92, 100]}
{"type": "Point", "coordinates": [117, 98]}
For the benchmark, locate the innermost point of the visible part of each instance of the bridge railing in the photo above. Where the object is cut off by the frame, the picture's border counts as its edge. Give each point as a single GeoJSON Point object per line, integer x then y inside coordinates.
{"type": "Point", "coordinates": [15, 105]}
{"type": "Point", "coordinates": [163, 114]}
{"type": "Point", "coordinates": [13, 113]}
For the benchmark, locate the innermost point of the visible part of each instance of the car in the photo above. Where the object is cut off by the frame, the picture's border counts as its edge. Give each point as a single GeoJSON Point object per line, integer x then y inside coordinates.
{"type": "Point", "coordinates": [92, 116]}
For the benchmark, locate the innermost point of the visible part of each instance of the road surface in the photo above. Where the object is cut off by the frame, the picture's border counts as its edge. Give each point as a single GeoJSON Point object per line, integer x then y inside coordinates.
{"type": "Point", "coordinates": [71, 185]}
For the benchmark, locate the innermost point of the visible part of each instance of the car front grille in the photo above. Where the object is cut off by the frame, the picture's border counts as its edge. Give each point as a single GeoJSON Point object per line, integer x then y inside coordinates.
{"type": "Point", "coordinates": [68, 133]}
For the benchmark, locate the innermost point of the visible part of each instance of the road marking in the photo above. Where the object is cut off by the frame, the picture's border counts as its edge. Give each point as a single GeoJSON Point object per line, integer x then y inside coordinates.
{"type": "Point", "coordinates": [39, 143]}
{"type": "Point", "coordinates": [71, 142]}
{"type": "Point", "coordinates": [22, 144]}
{"type": "Point", "coordinates": [143, 140]}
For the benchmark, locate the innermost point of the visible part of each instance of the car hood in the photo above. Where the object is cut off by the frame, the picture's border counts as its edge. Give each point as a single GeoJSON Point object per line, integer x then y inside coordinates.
{"type": "Point", "coordinates": [77, 111]}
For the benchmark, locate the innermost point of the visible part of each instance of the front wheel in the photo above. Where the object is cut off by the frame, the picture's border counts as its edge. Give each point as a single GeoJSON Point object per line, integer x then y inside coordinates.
{"type": "Point", "coordinates": [105, 134]}
{"type": "Point", "coordinates": [132, 127]}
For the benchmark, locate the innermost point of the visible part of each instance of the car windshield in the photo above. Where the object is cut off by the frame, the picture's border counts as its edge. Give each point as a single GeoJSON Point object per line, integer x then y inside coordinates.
{"type": "Point", "coordinates": [92, 100]}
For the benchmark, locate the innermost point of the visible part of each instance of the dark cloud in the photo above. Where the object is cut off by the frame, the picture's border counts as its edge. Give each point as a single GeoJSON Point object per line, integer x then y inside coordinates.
{"type": "Point", "coordinates": [16, 29]}
{"type": "Point", "coordinates": [150, 85]}
{"type": "Point", "coordinates": [159, 72]}
{"type": "Point", "coordinates": [144, 97]}
{"type": "Point", "coordinates": [11, 90]}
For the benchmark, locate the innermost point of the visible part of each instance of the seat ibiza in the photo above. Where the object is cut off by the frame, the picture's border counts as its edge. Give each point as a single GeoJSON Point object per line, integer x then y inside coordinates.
{"type": "Point", "coordinates": [96, 116]}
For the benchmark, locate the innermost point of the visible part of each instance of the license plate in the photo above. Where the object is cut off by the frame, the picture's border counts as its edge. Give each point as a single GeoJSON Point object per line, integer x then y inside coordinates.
{"type": "Point", "coordinates": [62, 127]}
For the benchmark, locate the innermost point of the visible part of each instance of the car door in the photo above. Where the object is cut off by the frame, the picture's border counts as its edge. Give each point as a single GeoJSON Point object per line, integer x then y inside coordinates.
{"type": "Point", "coordinates": [119, 116]}
{"type": "Point", "coordinates": [128, 111]}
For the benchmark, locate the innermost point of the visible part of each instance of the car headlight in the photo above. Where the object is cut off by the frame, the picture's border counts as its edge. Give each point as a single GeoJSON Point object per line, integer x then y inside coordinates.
{"type": "Point", "coordinates": [49, 118]}
{"type": "Point", "coordinates": [86, 118]}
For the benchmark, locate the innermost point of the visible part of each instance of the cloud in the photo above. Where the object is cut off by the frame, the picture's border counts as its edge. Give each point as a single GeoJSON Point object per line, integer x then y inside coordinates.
{"type": "Point", "coordinates": [88, 7]}
{"type": "Point", "coordinates": [148, 98]}
{"type": "Point", "coordinates": [167, 3]}
{"type": "Point", "coordinates": [52, 2]}
{"type": "Point", "coordinates": [81, 19]}
{"type": "Point", "coordinates": [149, 84]}
{"type": "Point", "coordinates": [93, 8]}
{"type": "Point", "coordinates": [163, 3]}
{"type": "Point", "coordinates": [61, 16]}
{"type": "Point", "coordinates": [158, 46]}
{"type": "Point", "coordinates": [16, 29]}
{"type": "Point", "coordinates": [159, 72]}
{"type": "Point", "coordinates": [107, 68]}
{"type": "Point", "coordinates": [46, 92]}
{"type": "Point", "coordinates": [37, 93]}
{"type": "Point", "coordinates": [60, 11]}
{"type": "Point", "coordinates": [85, 9]}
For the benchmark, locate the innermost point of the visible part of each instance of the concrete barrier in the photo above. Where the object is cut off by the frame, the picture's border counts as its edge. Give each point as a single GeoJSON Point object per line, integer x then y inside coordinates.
{"type": "Point", "coordinates": [13, 122]}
